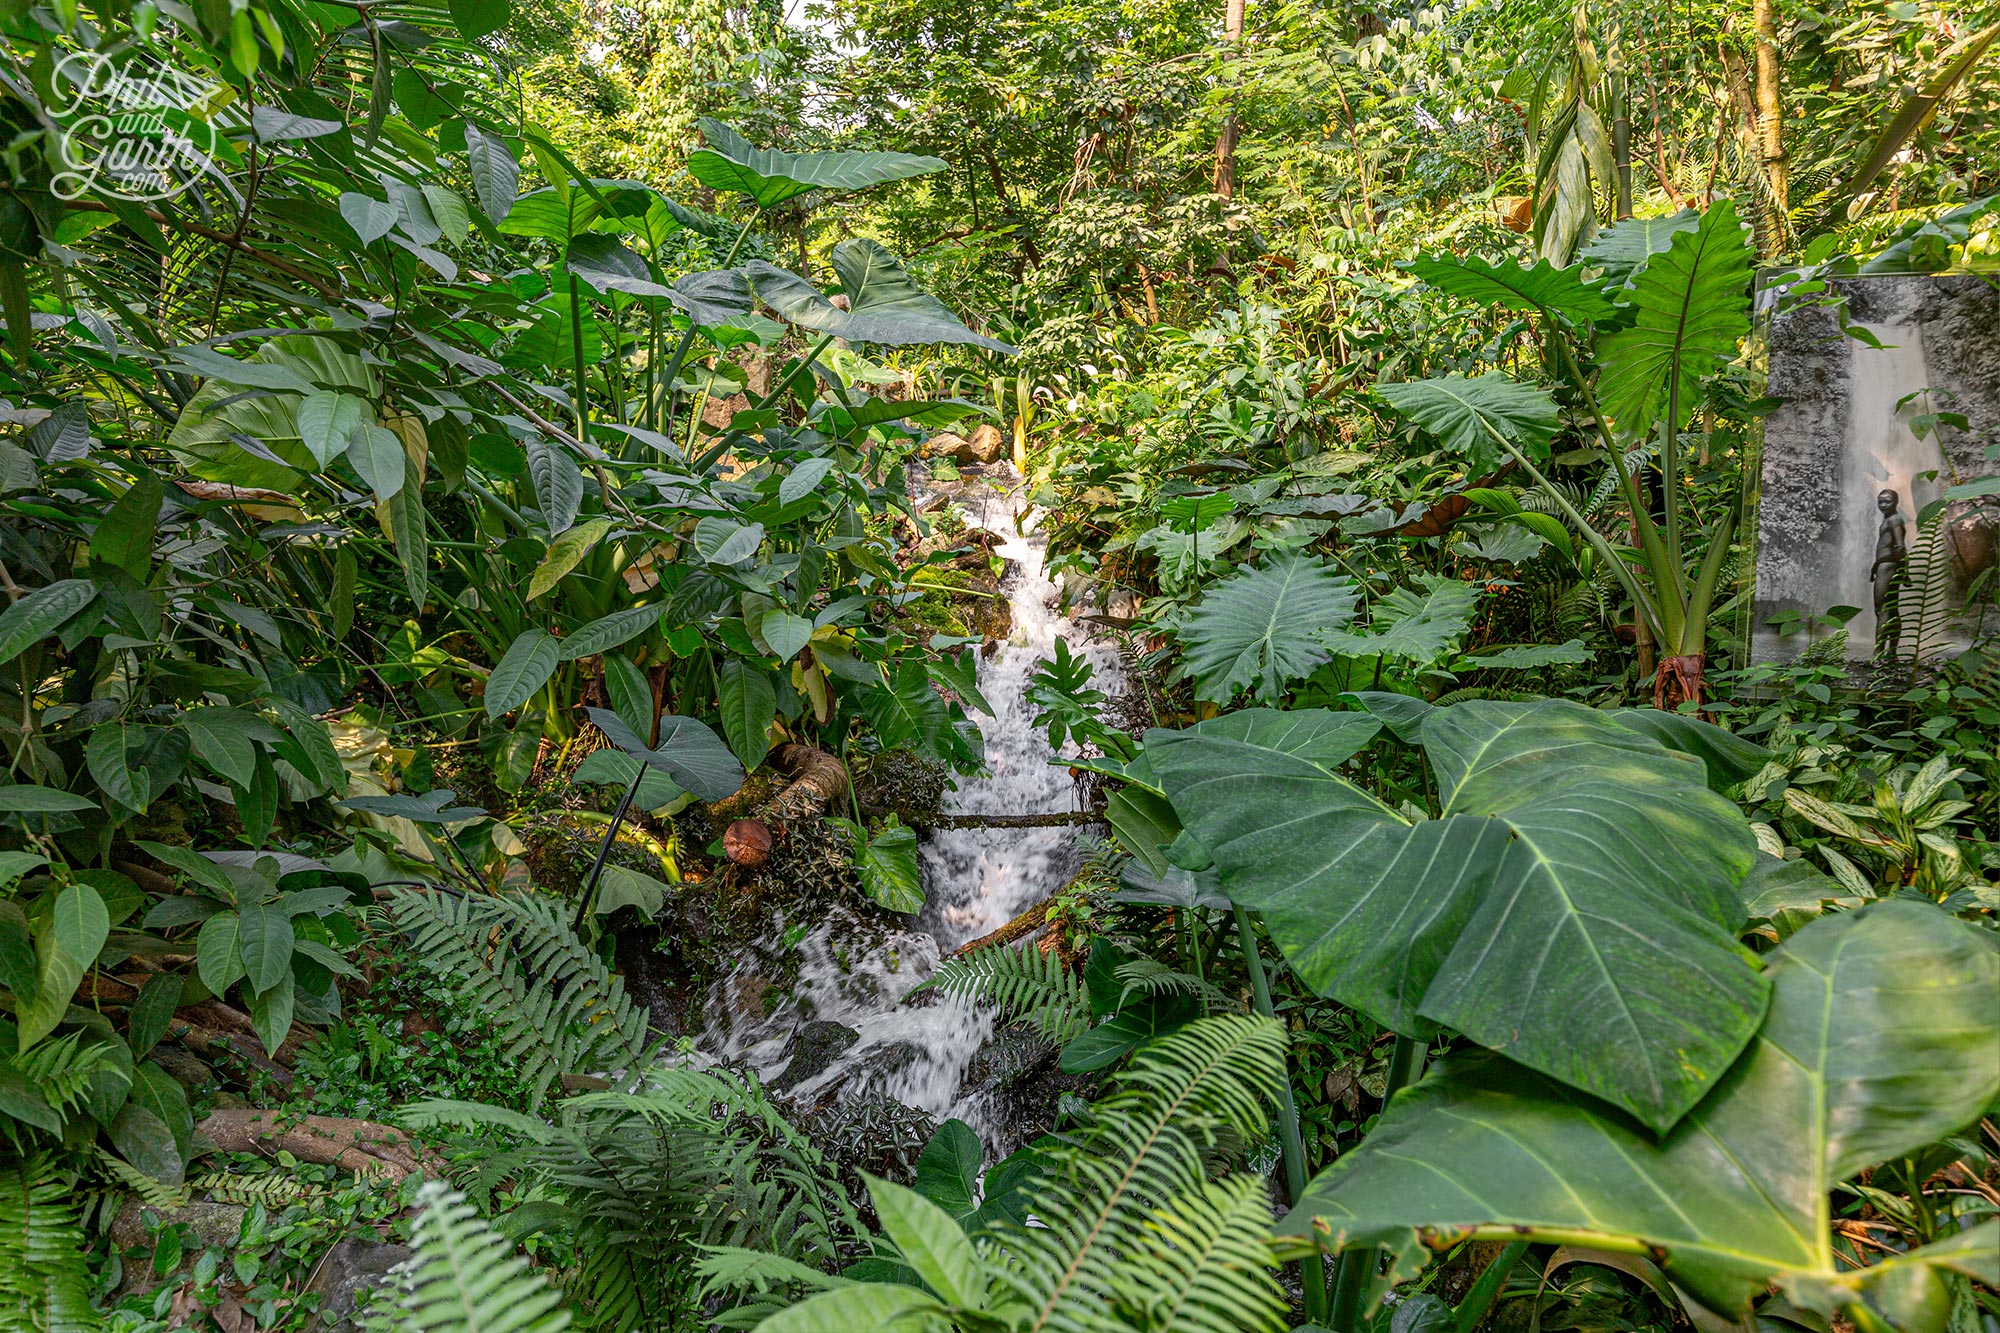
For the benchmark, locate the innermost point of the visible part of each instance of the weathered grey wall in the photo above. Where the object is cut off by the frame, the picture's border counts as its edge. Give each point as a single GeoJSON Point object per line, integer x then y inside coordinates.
{"type": "Point", "coordinates": [1841, 437]}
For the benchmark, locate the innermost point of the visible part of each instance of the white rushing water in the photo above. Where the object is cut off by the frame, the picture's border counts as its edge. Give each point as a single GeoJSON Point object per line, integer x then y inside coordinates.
{"type": "Point", "coordinates": [976, 880]}
{"type": "Point", "coordinates": [1884, 453]}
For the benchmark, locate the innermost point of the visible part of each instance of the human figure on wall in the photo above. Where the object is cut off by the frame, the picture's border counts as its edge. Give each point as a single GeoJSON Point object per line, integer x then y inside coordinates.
{"type": "Point", "coordinates": [1885, 576]}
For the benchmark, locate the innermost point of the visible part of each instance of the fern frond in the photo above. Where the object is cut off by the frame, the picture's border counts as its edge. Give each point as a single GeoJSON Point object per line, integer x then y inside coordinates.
{"type": "Point", "coordinates": [44, 1285]}
{"type": "Point", "coordinates": [1209, 1267]}
{"type": "Point", "coordinates": [1150, 976]}
{"type": "Point", "coordinates": [62, 1070]}
{"type": "Point", "coordinates": [153, 1193]}
{"type": "Point", "coordinates": [466, 1278]}
{"type": "Point", "coordinates": [556, 1007]}
{"type": "Point", "coordinates": [1027, 985]}
{"type": "Point", "coordinates": [272, 1190]}
{"type": "Point", "coordinates": [1141, 1160]}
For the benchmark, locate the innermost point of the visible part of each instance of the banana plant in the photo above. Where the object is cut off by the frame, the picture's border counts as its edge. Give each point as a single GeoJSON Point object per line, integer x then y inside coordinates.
{"type": "Point", "coordinates": [1652, 312]}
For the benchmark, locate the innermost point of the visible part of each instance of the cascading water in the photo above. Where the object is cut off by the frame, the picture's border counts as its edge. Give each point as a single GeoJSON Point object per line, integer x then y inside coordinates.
{"type": "Point", "coordinates": [975, 880]}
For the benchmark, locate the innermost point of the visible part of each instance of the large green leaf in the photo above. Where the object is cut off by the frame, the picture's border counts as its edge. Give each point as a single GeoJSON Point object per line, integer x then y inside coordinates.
{"type": "Point", "coordinates": [749, 706]}
{"type": "Point", "coordinates": [1257, 628]}
{"type": "Point", "coordinates": [524, 668]}
{"type": "Point", "coordinates": [1473, 415]}
{"type": "Point", "coordinates": [208, 433]}
{"type": "Point", "coordinates": [884, 303]}
{"type": "Point", "coordinates": [1624, 246]}
{"type": "Point", "coordinates": [1412, 626]}
{"type": "Point", "coordinates": [37, 615]}
{"type": "Point", "coordinates": [1880, 1039]}
{"type": "Point", "coordinates": [688, 752]}
{"type": "Point", "coordinates": [1692, 308]}
{"type": "Point", "coordinates": [1574, 906]}
{"type": "Point", "coordinates": [770, 177]}
{"type": "Point", "coordinates": [1540, 287]}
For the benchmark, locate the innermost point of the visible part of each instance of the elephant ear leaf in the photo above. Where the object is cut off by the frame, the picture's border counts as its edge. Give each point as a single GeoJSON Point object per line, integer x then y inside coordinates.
{"type": "Point", "coordinates": [770, 177]}
{"type": "Point", "coordinates": [1878, 1041]}
{"type": "Point", "coordinates": [1575, 906]}
{"type": "Point", "coordinates": [1523, 288]}
{"type": "Point", "coordinates": [1255, 630]}
{"type": "Point", "coordinates": [1624, 246]}
{"type": "Point", "coordinates": [1691, 309]}
{"type": "Point", "coordinates": [1473, 416]}
{"type": "Point", "coordinates": [885, 304]}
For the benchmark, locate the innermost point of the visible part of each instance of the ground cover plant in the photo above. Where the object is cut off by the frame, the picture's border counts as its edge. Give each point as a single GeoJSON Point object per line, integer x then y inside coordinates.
{"type": "Point", "coordinates": [509, 514]}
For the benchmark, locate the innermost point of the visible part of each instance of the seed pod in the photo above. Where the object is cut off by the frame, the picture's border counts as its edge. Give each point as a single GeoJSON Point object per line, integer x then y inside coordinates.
{"type": "Point", "coordinates": [747, 843]}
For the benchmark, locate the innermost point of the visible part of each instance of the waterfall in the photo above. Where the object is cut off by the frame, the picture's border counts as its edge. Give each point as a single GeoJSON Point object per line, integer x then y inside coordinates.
{"type": "Point", "coordinates": [1883, 453]}
{"type": "Point", "coordinates": [854, 973]}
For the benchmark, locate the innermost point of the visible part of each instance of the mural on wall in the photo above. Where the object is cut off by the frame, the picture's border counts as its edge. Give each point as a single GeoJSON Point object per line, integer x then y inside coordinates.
{"type": "Point", "coordinates": [1867, 440]}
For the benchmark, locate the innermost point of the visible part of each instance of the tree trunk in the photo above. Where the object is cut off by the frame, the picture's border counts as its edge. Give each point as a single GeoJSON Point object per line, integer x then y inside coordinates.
{"type": "Point", "coordinates": [819, 781]}
{"type": "Point", "coordinates": [1770, 126]}
{"type": "Point", "coordinates": [1621, 127]}
{"type": "Point", "coordinates": [1225, 143]}
{"type": "Point", "coordinates": [360, 1146]}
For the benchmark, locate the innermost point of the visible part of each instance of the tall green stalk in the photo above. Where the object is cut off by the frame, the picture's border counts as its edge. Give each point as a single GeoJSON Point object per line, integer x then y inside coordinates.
{"type": "Point", "coordinates": [1288, 1118]}
{"type": "Point", "coordinates": [1350, 1282]}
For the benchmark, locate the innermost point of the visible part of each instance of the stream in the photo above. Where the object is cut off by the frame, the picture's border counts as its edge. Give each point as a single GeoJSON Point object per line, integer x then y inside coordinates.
{"type": "Point", "coordinates": [855, 973]}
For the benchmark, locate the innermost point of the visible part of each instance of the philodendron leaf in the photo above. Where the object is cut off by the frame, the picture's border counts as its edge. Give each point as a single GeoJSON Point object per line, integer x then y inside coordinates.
{"type": "Point", "coordinates": [1574, 906]}
{"type": "Point", "coordinates": [1692, 309]}
{"type": "Point", "coordinates": [609, 266]}
{"type": "Point", "coordinates": [688, 752]}
{"type": "Point", "coordinates": [1879, 1040]}
{"type": "Point", "coordinates": [1472, 416]}
{"type": "Point", "coordinates": [1511, 286]}
{"type": "Point", "coordinates": [524, 668]}
{"type": "Point", "coordinates": [1412, 626]}
{"type": "Point", "coordinates": [770, 177]}
{"type": "Point", "coordinates": [1255, 630]}
{"type": "Point", "coordinates": [884, 303]}
{"type": "Point", "coordinates": [1623, 246]}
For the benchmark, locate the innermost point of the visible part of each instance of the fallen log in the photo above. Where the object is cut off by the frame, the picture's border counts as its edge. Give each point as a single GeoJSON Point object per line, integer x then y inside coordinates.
{"type": "Point", "coordinates": [1027, 923]}
{"type": "Point", "coordinates": [938, 820]}
{"type": "Point", "coordinates": [819, 782]}
{"type": "Point", "coordinates": [360, 1146]}
{"type": "Point", "coordinates": [215, 1046]}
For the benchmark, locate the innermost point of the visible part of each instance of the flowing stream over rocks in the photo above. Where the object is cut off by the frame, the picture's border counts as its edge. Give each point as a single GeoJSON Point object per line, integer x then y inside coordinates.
{"type": "Point", "coordinates": [855, 974]}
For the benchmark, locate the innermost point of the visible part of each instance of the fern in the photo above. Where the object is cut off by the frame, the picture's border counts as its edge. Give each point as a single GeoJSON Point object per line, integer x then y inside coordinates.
{"type": "Point", "coordinates": [153, 1193]}
{"type": "Point", "coordinates": [50, 1081]}
{"type": "Point", "coordinates": [273, 1191]}
{"type": "Point", "coordinates": [44, 1285]}
{"type": "Point", "coordinates": [466, 1278]}
{"type": "Point", "coordinates": [642, 1174]}
{"type": "Point", "coordinates": [1149, 976]}
{"type": "Point", "coordinates": [556, 1006]}
{"type": "Point", "coordinates": [1027, 985]}
{"type": "Point", "coordinates": [1140, 1161]}
{"type": "Point", "coordinates": [1127, 1231]}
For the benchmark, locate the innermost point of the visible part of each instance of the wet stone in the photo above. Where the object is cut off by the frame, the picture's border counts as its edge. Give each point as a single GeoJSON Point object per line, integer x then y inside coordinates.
{"type": "Point", "coordinates": [818, 1044]}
